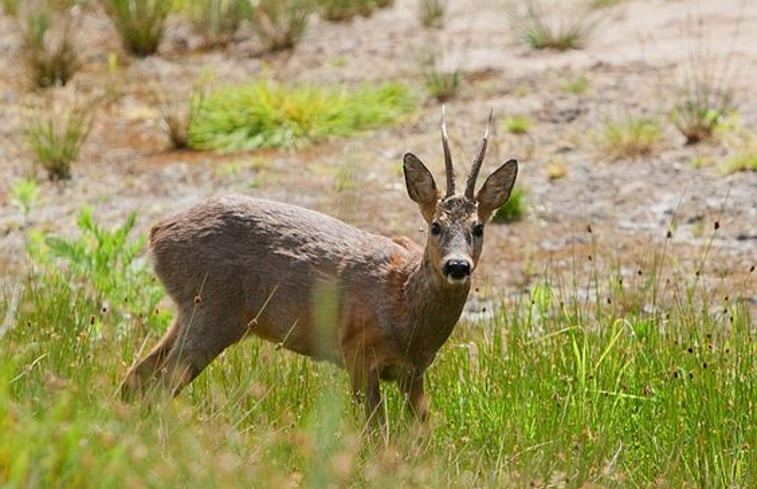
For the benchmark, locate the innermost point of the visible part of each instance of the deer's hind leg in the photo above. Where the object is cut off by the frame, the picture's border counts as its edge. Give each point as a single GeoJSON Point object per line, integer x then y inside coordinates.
{"type": "Point", "coordinates": [145, 373]}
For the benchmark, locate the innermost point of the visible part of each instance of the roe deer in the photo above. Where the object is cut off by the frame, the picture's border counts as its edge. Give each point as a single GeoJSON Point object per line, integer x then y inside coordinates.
{"type": "Point", "coordinates": [238, 265]}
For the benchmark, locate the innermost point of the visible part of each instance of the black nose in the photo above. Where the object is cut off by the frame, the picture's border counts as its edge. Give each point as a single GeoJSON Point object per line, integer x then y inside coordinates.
{"type": "Point", "coordinates": [457, 269]}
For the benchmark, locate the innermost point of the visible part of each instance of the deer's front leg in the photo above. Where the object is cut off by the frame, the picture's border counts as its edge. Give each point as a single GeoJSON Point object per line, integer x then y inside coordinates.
{"type": "Point", "coordinates": [411, 386]}
{"type": "Point", "coordinates": [365, 390]}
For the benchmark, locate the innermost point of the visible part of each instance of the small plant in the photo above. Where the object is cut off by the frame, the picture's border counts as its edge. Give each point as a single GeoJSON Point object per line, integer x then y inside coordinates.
{"type": "Point", "coordinates": [24, 194]}
{"type": "Point", "coordinates": [280, 24]}
{"type": "Point", "coordinates": [551, 25]}
{"type": "Point", "coordinates": [140, 23]}
{"type": "Point", "coordinates": [630, 138]}
{"type": "Point", "coordinates": [383, 3]}
{"type": "Point", "coordinates": [518, 124]}
{"type": "Point", "coordinates": [344, 10]}
{"type": "Point", "coordinates": [514, 209]}
{"type": "Point", "coordinates": [56, 135]}
{"type": "Point", "coordinates": [178, 111]}
{"type": "Point", "coordinates": [703, 96]}
{"type": "Point", "coordinates": [10, 7]}
{"type": "Point", "coordinates": [217, 20]}
{"type": "Point", "coordinates": [746, 161]}
{"type": "Point", "coordinates": [604, 3]}
{"type": "Point", "coordinates": [577, 86]}
{"type": "Point", "coordinates": [431, 13]}
{"type": "Point", "coordinates": [48, 46]}
{"type": "Point", "coordinates": [443, 83]}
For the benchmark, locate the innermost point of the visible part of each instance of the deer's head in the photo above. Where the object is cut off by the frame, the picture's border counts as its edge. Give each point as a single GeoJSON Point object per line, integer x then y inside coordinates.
{"type": "Point", "coordinates": [456, 222]}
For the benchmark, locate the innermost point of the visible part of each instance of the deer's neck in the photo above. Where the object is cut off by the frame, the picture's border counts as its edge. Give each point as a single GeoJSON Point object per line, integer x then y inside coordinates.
{"type": "Point", "coordinates": [434, 307]}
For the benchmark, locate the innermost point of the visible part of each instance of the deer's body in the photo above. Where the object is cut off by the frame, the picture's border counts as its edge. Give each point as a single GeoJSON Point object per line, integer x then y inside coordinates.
{"type": "Point", "coordinates": [238, 266]}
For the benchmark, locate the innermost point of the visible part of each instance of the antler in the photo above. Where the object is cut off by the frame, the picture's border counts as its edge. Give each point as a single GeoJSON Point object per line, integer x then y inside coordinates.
{"type": "Point", "coordinates": [470, 186]}
{"type": "Point", "coordinates": [449, 170]}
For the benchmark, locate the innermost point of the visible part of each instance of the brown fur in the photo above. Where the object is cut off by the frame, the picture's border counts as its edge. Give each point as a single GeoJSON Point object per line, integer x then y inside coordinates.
{"type": "Point", "coordinates": [380, 307]}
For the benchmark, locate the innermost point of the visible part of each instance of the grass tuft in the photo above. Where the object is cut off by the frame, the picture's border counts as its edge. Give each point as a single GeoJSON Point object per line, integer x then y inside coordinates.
{"type": "Point", "coordinates": [345, 10]}
{"type": "Point", "coordinates": [217, 20]}
{"type": "Point", "coordinates": [518, 124]}
{"type": "Point", "coordinates": [140, 23]}
{"type": "Point", "coordinates": [269, 115]}
{"type": "Point", "coordinates": [48, 46]}
{"type": "Point", "coordinates": [544, 24]}
{"type": "Point", "coordinates": [630, 138]}
{"type": "Point", "coordinates": [178, 112]}
{"type": "Point", "coordinates": [56, 134]}
{"type": "Point", "coordinates": [431, 13]}
{"type": "Point", "coordinates": [280, 24]}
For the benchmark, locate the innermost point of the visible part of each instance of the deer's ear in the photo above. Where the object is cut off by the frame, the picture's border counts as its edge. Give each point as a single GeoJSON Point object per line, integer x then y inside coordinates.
{"type": "Point", "coordinates": [496, 190]}
{"type": "Point", "coordinates": [420, 185]}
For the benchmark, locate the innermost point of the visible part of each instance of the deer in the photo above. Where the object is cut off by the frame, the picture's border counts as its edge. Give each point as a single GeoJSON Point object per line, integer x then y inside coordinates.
{"type": "Point", "coordinates": [237, 266]}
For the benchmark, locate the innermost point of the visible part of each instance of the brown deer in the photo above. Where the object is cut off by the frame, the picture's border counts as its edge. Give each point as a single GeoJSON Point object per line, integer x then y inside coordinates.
{"type": "Point", "coordinates": [238, 265]}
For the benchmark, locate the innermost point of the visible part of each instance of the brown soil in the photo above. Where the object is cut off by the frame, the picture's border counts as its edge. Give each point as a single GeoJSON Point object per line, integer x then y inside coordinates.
{"type": "Point", "coordinates": [636, 57]}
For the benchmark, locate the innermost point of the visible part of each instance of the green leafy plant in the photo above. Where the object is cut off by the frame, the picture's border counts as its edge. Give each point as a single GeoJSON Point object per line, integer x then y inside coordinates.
{"type": "Point", "coordinates": [544, 24]}
{"type": "Point", "coordinates": [48, 47]}
{"type": "Point", "coordinates": [56, 135]}
{"type": "Point", "coordinates": [280, 24]}
{"type": "Point", "coordinates": [217, 20]}
{"type": "Point", "coordinates": [442, 82]}
{"type": "Point", "coordinates": [514, 209]}
{"type": "Point", "coordinates": [431, 13]}
{"type": "Point", "coordinates": [631, 137]}
{"type": "Point", "coordinates": [269, 115]}
{"type": "Point", "coordinates": [24, 194]}
{"type": "Point", "coordinates": [140, 23]}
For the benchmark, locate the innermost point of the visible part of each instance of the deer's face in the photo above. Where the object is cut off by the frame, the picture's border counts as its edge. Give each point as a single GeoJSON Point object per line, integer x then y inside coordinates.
{"type": "Point", "coordinates": [456, 222]}
{"type": "Point", "coordinates": [455, 239]}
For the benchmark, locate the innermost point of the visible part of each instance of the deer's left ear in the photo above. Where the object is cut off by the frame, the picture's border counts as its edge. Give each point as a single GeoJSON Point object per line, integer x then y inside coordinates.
{"type": "Point", "coordinates": [496, 190]}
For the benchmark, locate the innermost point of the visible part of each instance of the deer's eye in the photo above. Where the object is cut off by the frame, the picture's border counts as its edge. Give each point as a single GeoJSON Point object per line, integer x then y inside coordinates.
{"type": "Point", "coordinates": [478, 230]}
{"type": "Point", "coordinates": [436, 228]}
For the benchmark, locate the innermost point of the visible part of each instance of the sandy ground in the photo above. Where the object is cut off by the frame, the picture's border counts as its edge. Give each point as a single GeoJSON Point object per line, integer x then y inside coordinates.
{"type": "Point", "coordinates": [639, 54]}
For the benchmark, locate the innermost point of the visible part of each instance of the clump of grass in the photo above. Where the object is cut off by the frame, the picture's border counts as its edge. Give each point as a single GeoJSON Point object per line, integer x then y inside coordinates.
{"type": "Point", "coordinates": [270, 115]}
{"type": "Point", "coordinates": [217, 20]}
{"type": "Point", "coordinates": [746, 161]}
{"type": "Point", "coordinates": [56, 135]}
{"type": "Point", "coordinates": [431, 13]}
{"type": "Point", "coordinates": [514, 209]}
{"type": "Point", "coordinates": [49, 50]}
{"type": "Point", "coordinates": [178, 112]}
{"type": "Point", "coordinates": [542, 24]}
{"type": "Point", "coordinates": [518, 124]}
{"type": "Point", "coordinates": [10, 7]}
{"type": "Point", "coordinates": [442, 82]}
{"type": "Point", "coordinates": [140, 23]}
{"type": "Point", "coordinates": [280, 24]}
{"type": "Point", "coordinates": [604, 3]}
{"type": "Point", "coordinates": [577, 86]}
{"type": "Point", "coordinates": [704, 98]}
{"type": "Point", "coordinates": [344, 10]}
{"type": "Point", "coordinates": [631, 137]}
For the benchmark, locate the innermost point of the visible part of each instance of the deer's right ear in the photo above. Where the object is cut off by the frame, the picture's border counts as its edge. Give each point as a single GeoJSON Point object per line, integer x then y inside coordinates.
{"type": "Point", "coordinates": [420, 185]}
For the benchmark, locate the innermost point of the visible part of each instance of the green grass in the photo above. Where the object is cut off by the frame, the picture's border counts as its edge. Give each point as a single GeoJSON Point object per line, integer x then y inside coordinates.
{"type": "Point", "coordinates": [269, 115]}
{"type": "Point", "coordinates": [631, 137]}
{"type": "Point", "coordinates": [746, 161]}
{"type": "Point", "coordinates": [554, 390]}
{"type": "Point", "coordinates": [541, 24]}
{"type": "Point", "coordinates": [514, 209]}
{"type": "Point", "coordinates": [431, 13]}
{"type": "Point", "coordinates": [518, 124]}
{"type": "Point", "coordinates": [48, 47]}
{"type": "Point", "coordinates": [55, 135]}
{"type": "Point", "coordinates": [140, 23]}
{"type": "Point", "coordinates": [280, 24]}
{"type": "Point", "coordinates": [577, 86]}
